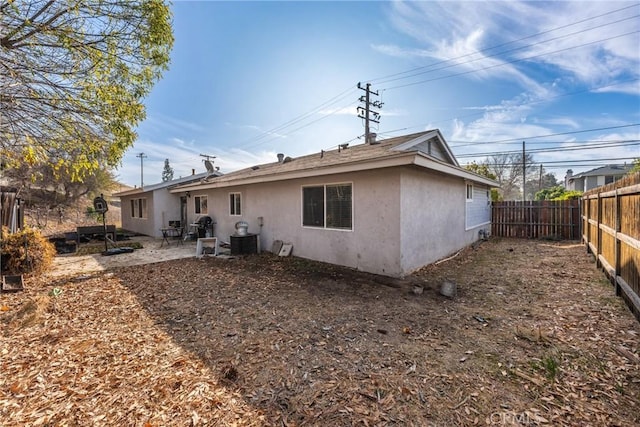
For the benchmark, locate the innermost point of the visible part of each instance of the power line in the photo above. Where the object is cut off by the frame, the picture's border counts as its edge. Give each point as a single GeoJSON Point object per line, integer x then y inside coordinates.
{"type": "Point", "coordinates": [502, 52]}
{"type": "Point", "coordinates": [504, 44]}
{"type": "Point", "coordinates": [266, 134]}
{"type": "Point", "coordinates": [500, 141]}
{"type": "Point", "coordinates": [566, 162]}
{"type": "Point", "coordinates": [502, 64]}
{"type": "Point", "coordinates": [335, 99]}
{"type": "Point", "coordinates": [628, 143]}
{"type": "Point", "coordinates": [591, 89]}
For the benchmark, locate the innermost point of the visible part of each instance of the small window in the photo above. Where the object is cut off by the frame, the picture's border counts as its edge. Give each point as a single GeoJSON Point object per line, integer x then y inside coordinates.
{"type": "Point", "coordinates": [201, 207]}
{"type": "Point", "coordinates": [328, 206]}
{"type": "Point", "coordinates": [469, 192]}
{"type": "Point", "coordinates": [139, 208]}
{"type": "Point", "coordinates": [235, 204]}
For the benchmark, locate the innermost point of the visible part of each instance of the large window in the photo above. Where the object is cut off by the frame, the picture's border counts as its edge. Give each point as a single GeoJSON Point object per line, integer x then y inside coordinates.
{"type": "Point", "coordinates": [235, 204]}
{"type": "Point", "coordinates": [139, 208]}
{"type": "Point", "coordinates": [201, 205]}
{"type": "Point", "coordinates": [328, 206]}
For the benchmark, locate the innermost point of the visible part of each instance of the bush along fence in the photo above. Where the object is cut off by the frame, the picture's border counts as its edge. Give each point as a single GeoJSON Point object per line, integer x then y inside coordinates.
{"type": "Point", "coordinates": [557, 220]}
{"type": "Point", "coordinates": [611, 232]}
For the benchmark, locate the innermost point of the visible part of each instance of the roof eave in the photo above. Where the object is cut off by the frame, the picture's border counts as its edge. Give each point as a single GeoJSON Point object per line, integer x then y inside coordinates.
{"type": "Point", "coordinates": [437, 165]}
{"type": "Point", "coordinates": [402, 159]}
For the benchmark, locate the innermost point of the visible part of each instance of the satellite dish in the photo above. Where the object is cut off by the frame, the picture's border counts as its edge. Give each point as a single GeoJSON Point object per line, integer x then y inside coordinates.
{"type": "Point", "coordinates": [209, 166]}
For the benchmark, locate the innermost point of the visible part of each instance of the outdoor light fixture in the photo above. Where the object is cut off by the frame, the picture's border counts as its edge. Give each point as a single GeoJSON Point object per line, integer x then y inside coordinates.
{"type": "Point", "coordinates": [188, 193]}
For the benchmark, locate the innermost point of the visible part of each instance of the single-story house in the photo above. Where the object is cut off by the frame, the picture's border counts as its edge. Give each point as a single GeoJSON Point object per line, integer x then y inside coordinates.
{"type": "Point", "coordinates": [146, 210]}
{"type": "Point", "coordinates": [386, 207]}
{"type": "Point", "coordinates": [597, 177]}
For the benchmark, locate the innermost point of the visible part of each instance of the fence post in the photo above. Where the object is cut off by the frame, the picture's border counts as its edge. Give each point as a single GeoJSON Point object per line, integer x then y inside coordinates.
{"type": "Point", "coordinates": [617, 242]}
{"type": "Point", "coordinates": [598, 230]}
{"type": "Point", "coordinates": [585, 221]}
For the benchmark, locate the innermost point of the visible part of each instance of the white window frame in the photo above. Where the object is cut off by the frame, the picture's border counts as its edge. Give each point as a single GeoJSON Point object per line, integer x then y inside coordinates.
{"type": "Point", "coordinates": [197, 207]}
{"type": "Point", "coordinates": [139, 208]}
{"type": "Point", "coordinates": [469, 189]}
{"type": "Point", "coordinates": [232, 203]}
{"type": "Point", "coordinates": [324, 195]}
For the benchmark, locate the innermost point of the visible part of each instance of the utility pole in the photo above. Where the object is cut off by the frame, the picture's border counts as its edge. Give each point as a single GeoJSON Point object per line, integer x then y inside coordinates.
{"type": "Point", "coordinates": [540, 179]}
{"type": "Point", "coordinates": [366, 112]}
{"type": "Point", "coordinates": [142, 156]}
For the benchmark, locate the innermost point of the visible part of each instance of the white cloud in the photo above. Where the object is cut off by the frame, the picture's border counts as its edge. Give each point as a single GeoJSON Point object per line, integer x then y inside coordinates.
{"type": "Point", "coordinates": [466, 32]}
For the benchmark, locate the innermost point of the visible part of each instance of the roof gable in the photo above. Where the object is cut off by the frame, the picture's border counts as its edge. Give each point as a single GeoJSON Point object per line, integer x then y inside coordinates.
{"type": "Point", "coordinates": [432, 144]}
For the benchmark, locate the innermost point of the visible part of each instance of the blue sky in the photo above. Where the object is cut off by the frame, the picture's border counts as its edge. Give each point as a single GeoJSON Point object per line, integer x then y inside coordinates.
{"type": "Point", "coordinates": [249, 80]}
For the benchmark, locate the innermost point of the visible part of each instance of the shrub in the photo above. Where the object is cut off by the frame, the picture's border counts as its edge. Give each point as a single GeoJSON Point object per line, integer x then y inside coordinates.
{"type": "Point", "coordinates": [26, 251]}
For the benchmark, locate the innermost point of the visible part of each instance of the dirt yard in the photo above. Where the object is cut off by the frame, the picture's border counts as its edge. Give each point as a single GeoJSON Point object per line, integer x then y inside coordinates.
{"type": "Point", "coordinates": [534, 336]}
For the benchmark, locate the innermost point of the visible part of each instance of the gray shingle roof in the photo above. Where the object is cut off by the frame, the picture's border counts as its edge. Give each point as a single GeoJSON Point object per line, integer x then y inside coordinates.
{"type": "Point", "coordinates": [358, 157]}
{"type": "Point", "coordinates": [606, 170]}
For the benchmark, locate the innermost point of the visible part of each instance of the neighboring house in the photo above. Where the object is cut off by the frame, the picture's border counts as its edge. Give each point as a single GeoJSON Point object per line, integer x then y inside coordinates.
{"type": "Point", "coordinates": [387, 207]}
{"type": "Point", "coordinates": [148, 209]}
{"type": "Point", "coordinates": [597, 177]}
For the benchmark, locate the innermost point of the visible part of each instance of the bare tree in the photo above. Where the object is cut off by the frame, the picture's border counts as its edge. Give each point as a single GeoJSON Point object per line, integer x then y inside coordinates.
{"type": "Point", "coordinates": [508, 171]}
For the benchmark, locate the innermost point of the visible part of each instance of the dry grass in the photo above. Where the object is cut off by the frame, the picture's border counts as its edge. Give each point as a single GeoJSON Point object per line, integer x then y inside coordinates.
{"type": "Point", "coordinates": [535, 335]}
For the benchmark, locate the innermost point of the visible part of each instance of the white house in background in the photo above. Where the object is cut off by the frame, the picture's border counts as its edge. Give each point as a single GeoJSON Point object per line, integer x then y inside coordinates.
{"type": "Point", "coordinates": [387, 207]}
{"type": "Point", "coordinates": [148, 209]}
{"type": "Point", "coordinates": [597, 177]}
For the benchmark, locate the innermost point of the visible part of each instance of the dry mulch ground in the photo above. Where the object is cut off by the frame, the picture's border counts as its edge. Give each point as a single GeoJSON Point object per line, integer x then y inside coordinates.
{"type": "Point", "coordinates": [535, 336]}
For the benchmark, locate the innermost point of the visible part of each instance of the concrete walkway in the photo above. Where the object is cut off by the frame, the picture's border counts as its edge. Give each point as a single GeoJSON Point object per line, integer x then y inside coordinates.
{"type": "Point", "coordinates": [153, 250]}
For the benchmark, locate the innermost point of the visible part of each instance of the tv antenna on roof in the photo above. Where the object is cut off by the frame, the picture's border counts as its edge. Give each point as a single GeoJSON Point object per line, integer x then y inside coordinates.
{"type": "Point", "coordinates": [208, 163]}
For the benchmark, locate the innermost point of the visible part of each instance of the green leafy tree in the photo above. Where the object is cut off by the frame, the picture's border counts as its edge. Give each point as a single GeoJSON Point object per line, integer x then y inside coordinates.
{"type": "Point", "coordinates": [569, 195]}
{"type": "Point", "coordinates": [636, 166]}
{"type": "Point", "coordinates": [539, 183]}
{"type": "Point", "coordinates": [557, 193]}
{"type": "Point", "coordinates": [73, 76]}
{"type": "Point", "coordinates": [167, 172]}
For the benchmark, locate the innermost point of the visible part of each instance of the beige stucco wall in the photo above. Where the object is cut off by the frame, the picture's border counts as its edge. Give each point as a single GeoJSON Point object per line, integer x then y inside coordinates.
{"type": "Point", "coordinates": [162, 207]}
{"type": "Point", "coordinates": [373, 245]}
{"type": "Point", "coordinates": [433, 218]}
{"type": "Point", "coordinates": [138, 225]}
{"type": "Point", "coordinates": [403, 218]}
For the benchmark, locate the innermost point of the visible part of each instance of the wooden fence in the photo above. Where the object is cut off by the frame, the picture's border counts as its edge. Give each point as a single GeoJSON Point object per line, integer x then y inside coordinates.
{"type": "Point", "coordinates": [536, 219]}
{"type": "Point", "coordinates": [611, 231]}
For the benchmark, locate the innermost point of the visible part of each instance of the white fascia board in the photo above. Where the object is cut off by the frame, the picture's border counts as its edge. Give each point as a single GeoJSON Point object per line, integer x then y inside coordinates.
{"type": "Point", "coordinates": [429, 163]}
{"type": "Point", "coordinates": [134, 192]}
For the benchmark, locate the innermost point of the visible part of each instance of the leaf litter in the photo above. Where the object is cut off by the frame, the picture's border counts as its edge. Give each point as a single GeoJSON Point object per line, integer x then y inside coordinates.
{"type": "Point", "coordinates": [263, 340]}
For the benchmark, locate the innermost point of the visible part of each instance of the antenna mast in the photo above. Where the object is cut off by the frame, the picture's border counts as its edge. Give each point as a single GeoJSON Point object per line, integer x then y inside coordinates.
{"type": "Point", "coordinates": [142, 157]}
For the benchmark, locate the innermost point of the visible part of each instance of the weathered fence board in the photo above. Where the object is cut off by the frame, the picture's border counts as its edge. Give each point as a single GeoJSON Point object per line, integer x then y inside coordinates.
{"type": "Point", "coordinates": [611, 231]}
{"type": "Point", "coordinates": [536, 219]}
